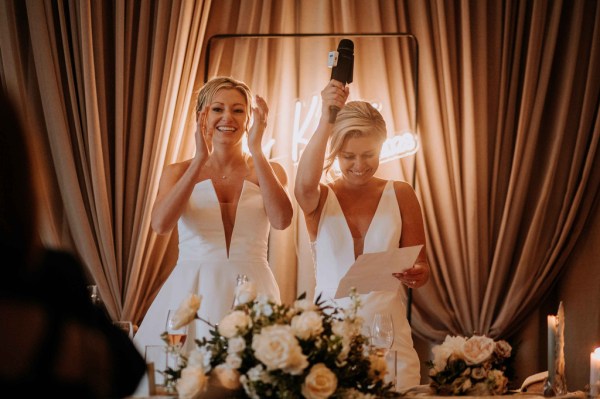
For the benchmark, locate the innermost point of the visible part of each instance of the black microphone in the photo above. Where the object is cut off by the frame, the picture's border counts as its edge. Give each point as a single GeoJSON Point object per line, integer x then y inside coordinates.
{"type": "Point", "coordinates": [342, 69]}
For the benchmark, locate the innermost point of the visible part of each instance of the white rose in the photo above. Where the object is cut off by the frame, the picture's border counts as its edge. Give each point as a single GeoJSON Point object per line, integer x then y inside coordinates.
{"type": "Point", "coordinates": [228, 377]}
{"type": "Point", "coordinates": [378, 367]}
{"type": "Point", "coordinates": [441, 353]}
{"type": "Point", "coordinates": [246, 292]}
{"type": "Point", "coordinates": [455, 344]}
{"type": "Point", "coordinates": [320, 383]}
{"type": "Point", "coordinates": [478, 349]}
{"type": "Point", "coordinates": [234, 323]}
{"type": "Point", "coordinates": [262, 307]}
{"type": "Point", "coordinates": [186, 312]}
{"type": "Point", "coordinates": [196, 358]}
{"type": "Point", "coordinates": [258, 373]}
{"type": "Point", "coordinates": [307, 324]}
{"type": "Point", "coordinates": [192, 383]}
{"type": "Point", "coordinates": [304, 304]}
{"type": "Point", "coordinates": [236, 345]}
{"type": "Point", "coordinates": [278, 348]}
{"type": "Point", "coordinates": [233, 361]}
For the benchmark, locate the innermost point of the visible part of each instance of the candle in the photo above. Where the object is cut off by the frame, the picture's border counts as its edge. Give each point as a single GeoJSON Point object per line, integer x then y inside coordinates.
{"type": "Point", "coordinates": [552, 332]}
{"type": "Point", "coordinates": [595, 373]}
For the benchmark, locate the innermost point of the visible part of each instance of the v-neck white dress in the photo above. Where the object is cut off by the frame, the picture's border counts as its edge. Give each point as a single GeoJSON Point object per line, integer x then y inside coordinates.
{"type": "Point", "coordinates": [203, 266]}
{"type": "Point", "coordinates": [334, 254]}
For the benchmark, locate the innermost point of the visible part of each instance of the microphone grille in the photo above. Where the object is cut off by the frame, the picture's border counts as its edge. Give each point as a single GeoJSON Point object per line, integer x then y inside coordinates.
{"type": "Point", "coordinates": [346, 44]}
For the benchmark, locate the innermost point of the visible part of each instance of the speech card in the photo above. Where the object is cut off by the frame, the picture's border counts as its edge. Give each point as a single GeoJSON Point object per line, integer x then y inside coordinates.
{"type": "Point", "coordinates": [373, 271]}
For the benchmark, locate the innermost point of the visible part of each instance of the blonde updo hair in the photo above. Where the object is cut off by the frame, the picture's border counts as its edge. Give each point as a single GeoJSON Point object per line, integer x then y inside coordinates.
{"type": "Point", "coordinates": [210, 88]}
{"type": "Point", "coordinates": [356, 119]}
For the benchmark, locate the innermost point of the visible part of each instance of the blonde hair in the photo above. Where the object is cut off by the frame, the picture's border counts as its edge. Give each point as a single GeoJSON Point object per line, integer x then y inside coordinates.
{"type": "Point", "coordinates": [356, 119]}
{"type": "Point", "coordinates": [210, 88]}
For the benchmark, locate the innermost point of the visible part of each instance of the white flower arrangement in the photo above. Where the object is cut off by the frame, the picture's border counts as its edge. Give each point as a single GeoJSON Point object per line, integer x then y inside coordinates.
{"type": "Point", "coordinates": [472, 366]}
{"type": "Point", "coordinates": [262, 349]}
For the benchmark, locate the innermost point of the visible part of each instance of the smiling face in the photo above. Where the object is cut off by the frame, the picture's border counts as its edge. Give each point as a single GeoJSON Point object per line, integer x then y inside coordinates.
{"type": "Point", "coordinates": [227, 116]}
{"type": "Point", "coordinates": [358, 158]}
{"type": "Point", "coordinates": [356, 140]}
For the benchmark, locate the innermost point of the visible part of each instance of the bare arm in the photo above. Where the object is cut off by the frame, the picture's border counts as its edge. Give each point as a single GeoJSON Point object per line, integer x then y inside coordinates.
{"type": "Point", "coordinates": [310, 167]}
{"type": "Point", "coordinates": [413, 233]}
{"type": "Point", "coordinates": [178, 181]}
{"type": "Point", "coordinates": [272, 178]}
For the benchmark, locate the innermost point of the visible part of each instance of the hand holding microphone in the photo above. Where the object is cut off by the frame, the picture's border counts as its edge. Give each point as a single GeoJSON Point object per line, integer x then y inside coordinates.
{"type": "Point", "coordinates": [342, 63]}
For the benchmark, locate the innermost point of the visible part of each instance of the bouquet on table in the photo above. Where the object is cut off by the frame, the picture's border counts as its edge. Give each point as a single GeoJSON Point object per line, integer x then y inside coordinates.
{"type": "Point", "coordinates": [262, 349]}
{"type": "Point", "coordinates": [472, 366]}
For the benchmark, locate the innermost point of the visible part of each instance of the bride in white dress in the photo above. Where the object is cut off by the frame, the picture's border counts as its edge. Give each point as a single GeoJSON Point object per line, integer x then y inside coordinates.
{"type": "Point", "coordinates": [359, 213]}
{"type": "Point", "coordinates": [223, 203]}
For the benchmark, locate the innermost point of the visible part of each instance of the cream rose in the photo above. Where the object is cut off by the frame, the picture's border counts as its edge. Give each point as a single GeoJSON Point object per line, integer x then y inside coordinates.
{"type": "Point", "coordinates": [307, 324]}
{"type": "Point", "coordinates": [236, 345]}
{"type": "Point", "coordinates": [441, 353]}
{"type": "Point", "coordinates": [304, 304]}
{"type": "Point", "coordinates": [233, 361]}
{"type": "Point", "coordinates": [234, 323]}
{"type": "Point", "coordinates": [320, 383]}
{"type": "Point", "coordinates": [192, 383]}
{"type": "Point", "coordinates": [503, 349]}
{"type": "Point", "coordinates": [196, 358]}
{"type": "Point", "coordinates": [455, 344]}
{"type": "Point", "coordinates": [478, 349]}
{"type": "Point", "coordinates": [278, 348]}
{"type": "Point", "coordinates": [229, 378]}
{"type": "Point", "coordinates": [186, 312]}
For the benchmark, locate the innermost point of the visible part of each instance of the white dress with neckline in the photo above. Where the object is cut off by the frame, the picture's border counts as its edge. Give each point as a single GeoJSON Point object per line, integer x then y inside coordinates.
{"type": "Point", "coordinates": [203, 266]}
{"type": "Point", "coordinates": [334, 254]}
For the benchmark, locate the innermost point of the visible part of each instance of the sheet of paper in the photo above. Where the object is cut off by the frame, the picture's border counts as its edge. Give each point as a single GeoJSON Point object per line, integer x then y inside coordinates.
{"type": "Point", "coordinates": [373, 271]}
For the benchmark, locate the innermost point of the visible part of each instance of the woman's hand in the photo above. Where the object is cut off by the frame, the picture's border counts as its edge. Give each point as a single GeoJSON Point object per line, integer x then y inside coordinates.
{"type": "Point", "coordinates": [334, 94]}
{"type": "Point", "coordinates": [414, 277]}
{"type": "Point", "coordinates": [203, 135]}
{"type": "Point", "coordinates": [255, 134]}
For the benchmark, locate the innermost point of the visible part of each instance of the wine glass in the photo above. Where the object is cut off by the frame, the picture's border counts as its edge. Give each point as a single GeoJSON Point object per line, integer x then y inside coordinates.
{"type": "Point", "coordinates": [382, 333]}
{"type": "Point", "coordinates": [176, 336]}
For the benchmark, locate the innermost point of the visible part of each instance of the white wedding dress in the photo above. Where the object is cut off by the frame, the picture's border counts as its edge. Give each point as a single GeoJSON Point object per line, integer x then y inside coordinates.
{"type": "Point", "coordinates": [334, 254]}
{"type": "Point", "coordinates": [203, 266]}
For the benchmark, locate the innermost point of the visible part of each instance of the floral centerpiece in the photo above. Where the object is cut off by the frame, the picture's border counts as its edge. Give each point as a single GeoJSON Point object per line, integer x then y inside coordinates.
{"type": "Point", "coordinates": [262, 349]}
{"type": "Point", "coordinates": [472, 366]}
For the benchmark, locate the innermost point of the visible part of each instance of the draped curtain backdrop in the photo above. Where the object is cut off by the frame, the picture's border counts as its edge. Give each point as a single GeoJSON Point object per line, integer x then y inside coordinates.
{"type": "Point", "coordinates": [507, 173]}
{"type": "Point", "coordinates": [108, 83]}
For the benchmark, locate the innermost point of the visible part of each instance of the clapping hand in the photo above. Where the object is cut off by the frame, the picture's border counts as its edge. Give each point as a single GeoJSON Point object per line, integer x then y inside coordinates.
{"type": "Point", "coordinates": [255, 134]}
{"type": "Point", "coordinates": [203, 135]}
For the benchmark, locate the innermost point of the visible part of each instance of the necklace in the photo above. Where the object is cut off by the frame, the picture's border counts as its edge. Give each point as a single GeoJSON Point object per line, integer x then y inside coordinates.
{"type": "Point", "coordinates": [236, 172]}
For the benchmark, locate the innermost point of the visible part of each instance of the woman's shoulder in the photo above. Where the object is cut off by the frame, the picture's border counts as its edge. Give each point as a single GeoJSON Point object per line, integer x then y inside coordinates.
{"type": "Point", "coordinates": [400, 186]}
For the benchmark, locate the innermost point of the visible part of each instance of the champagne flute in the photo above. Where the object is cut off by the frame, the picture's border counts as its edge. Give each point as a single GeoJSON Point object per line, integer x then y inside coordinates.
{"type": "Point", "coordinates": [176, 336]}
{"type": "Point", "coordinates": [382, 333]}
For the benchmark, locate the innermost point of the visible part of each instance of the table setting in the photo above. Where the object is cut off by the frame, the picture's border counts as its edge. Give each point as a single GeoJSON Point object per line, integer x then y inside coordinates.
{"type": "Point", "coordinates": [262, 349]}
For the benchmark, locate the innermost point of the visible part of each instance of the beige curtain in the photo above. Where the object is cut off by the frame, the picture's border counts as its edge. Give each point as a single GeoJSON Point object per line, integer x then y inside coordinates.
{"type": "Point", "coordinates": [108, 83]}
{"type": "Point", "coordinates": [510, 160]}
